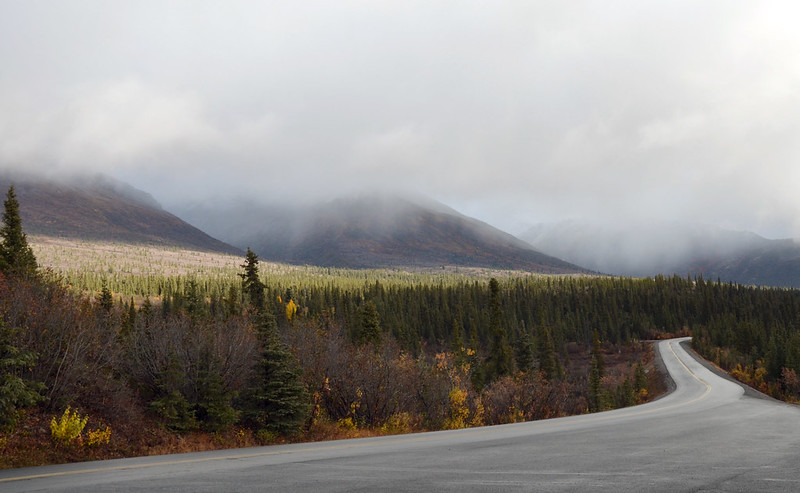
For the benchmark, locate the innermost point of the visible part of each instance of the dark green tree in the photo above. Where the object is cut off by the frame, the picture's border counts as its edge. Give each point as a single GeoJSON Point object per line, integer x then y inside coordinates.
{"type": "Point", "coordinates": [214, 408]}
{"type": "Point", "coordinates": [128, 321]}
{"type": "Point", "coordinates": [369, 326]}
{"type": "Point", "coordinates": [15, 392]}
{"type": "Point", "coordinates": [16, 255]}
{"type": "Point", "coordinates": [170, 403]}
{"type": "Point", "coordinates": [276, 400]}
{"type": "Point", "coordinates": [597, 353]}
{"type": "Point", "coordinates": [500, 361]}
{"type": "Point", "coordinates": [105, 299]}
{"type": "Point", "coordinates": [232, 305]}
{"type": "Point", "coordinates": [524, 352]}
{"type": "Point", "coordinates": [252, 287]}
{"type": "Point", "coordinates": [547, 354]}
{"type": "Point", "coordinates": [456, 338]}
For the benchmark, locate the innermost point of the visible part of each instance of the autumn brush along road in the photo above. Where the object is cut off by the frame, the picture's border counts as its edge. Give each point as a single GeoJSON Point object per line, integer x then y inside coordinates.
{"type": "Point", "coordinates": [705, 435]}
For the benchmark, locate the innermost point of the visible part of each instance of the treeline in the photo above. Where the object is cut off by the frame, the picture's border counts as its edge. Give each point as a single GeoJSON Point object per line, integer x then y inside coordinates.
{"type": "Point", "coordinates": [275, 358]}
{"type": "Point", "coordinates": [754, 334]}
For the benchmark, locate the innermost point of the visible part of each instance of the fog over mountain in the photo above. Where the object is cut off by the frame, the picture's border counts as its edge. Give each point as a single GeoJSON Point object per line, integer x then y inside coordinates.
{"type": "Point", "coordinates": [512, 112]}
{"type": "Point", "coordinates": [648, 249]}
{"type": "Point", "coordinates": [368, 231]}
{"type": "Point", "coordinates": [96, 207]}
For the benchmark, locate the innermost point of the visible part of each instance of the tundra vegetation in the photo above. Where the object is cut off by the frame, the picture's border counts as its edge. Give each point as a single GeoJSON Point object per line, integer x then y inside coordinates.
{"type": "Point", "coordinates": [160, 356]}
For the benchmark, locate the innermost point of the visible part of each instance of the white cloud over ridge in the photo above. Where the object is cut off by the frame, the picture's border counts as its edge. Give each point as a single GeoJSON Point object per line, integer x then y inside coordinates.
{"type": "Point", "coordinates": [515, 112]}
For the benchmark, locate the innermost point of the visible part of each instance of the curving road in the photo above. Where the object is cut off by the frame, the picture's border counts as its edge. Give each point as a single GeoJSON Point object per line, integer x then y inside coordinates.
{"type": "Point", "coordinates": [707, 435]}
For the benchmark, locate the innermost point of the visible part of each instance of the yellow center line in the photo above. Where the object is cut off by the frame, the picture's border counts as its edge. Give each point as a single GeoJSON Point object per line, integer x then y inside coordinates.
{"type": "Point", "coordinates": [708, 387]}
{"type": "Point", "coordinates": [339, 446]}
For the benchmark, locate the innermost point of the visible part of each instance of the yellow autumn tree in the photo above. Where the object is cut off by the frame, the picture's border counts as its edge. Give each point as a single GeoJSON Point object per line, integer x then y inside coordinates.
{"type": "Point", "coordinates": [291, 310]}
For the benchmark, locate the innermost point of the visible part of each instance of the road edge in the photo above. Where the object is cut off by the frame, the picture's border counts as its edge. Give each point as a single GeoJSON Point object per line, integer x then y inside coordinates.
{"type": "Point", "coordinates": [658, 363]}
{"type": "Point", "coordinates": [748, 390]}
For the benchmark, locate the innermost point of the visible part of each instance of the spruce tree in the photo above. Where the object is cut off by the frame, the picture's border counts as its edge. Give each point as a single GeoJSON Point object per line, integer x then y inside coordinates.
{"type": "Point", "coordinates": [213, 409]}
{"type": "Point", "coordinates": [524, 352]}
{"type": "Point", "coordinates": [16, 255]}
{"type": "Point", "coordinates": [547, 354]}
{"type": "Point", "coordinates": [171, 404]}
{"type": "Point", "coordinates": [105, 299]}
{"type": "Point", "coordinates": [369, 327]}
{"type": "Point", "coordinates": [277, 400]}
{"type": "Point", "coordinates": [252, 286]}
{"type": "Point", "coordinates": [500, 361]}
{"type": "Point", "coordinates": [597, 354]}
{"type": "Point", "coordinates": [15, 392]}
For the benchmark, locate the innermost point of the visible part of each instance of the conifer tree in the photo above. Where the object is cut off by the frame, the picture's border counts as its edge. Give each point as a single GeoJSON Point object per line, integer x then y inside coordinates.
{"type": "Point", "coordinates": [456, 338]}
{"type": "Point", "coordinates": [16, 255]}
{"type": "Point", "coordinates": [547, 356]}
{"type": "Point", "coordinates": [214, 408]}
{"type": "Point", "coordinates": [128, 321]}
{"type": "Point", "coordinates": [369, 325]}
{"type": "Point", "coordinates": [500, 361]}
{"type": "Point", "coordinates": [252, 286]}
{"type": "Point", "coordinates": [15, 392]}
{"type": "Point", "coordinates": [105, 299]}
{"type": "Point", "coordinates": [277, 399]}
{"type": "Point", "coordinates": [597, 353]}
{"type": "Point", "coordinates": [524, 352]}
{"type": "Point", "coordinates": [171, 404]}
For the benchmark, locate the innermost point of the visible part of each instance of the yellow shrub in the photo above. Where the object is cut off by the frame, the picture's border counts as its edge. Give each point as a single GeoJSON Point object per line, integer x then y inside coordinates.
{"type": "Point", "coordinates": [398, 423]}
{"type": "Point", "coordinates": [459, 412]}
{"type": "Point", "coordinates": [98, 436]}
{"type": "Point", "coordinates": [68, 428]}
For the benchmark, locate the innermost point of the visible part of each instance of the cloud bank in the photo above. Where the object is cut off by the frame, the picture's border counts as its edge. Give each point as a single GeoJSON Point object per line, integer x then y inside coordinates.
{"type": "Point", "coordinates": [513, 112]}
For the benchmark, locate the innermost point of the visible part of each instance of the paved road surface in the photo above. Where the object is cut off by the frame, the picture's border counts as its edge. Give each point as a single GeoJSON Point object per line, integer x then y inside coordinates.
{"type": "Point", "coordinates": [707, 435]}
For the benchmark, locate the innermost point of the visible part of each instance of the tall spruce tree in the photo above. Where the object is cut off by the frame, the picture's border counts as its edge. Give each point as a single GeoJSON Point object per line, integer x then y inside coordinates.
{"type": "Point", "coordinates": [500, 361]}
{"type": "Point", "coordinates": [16, 256]}
{"type": "Point", "coordinates": [252, 286]}
{"type": "Point", "coordinates": [276, 400]}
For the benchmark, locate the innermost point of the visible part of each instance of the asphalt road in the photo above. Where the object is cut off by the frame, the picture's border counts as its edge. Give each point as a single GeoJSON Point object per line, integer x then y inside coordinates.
{"type": "Point", "coordinates": [706, 435]}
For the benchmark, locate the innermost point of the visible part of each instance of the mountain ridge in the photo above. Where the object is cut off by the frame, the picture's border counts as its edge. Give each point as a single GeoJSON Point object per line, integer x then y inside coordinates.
{"type": "Point", "coordinates": [96, 207]}
{"type": "Point", "coordinates": [374, 231]}
{"type": "Point", "coordinates": [668, 248]}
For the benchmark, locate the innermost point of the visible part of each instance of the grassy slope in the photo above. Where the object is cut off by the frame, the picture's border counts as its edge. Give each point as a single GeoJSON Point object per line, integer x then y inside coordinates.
{"type": "Point", "coordinates": [86, 264]}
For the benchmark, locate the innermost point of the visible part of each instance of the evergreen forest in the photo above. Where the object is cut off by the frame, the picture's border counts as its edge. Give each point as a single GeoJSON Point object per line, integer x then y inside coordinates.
{"type": "Point", "coordinates": [192, 362]}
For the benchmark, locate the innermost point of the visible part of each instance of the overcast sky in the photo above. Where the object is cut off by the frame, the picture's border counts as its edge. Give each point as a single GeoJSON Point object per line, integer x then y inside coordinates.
{"type": "Point", "coordinates": [514, 112]}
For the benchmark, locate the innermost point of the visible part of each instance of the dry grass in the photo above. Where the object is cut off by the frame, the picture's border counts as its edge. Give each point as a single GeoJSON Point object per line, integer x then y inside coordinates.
{"type": "Point", "coordinates": [67, 255]}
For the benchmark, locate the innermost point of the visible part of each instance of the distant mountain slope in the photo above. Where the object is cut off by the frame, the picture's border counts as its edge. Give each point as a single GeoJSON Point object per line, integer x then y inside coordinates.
{"type": "Point", "coordinates": [99, 208]}
{"type": "Point", "coordinates": [672, 248]}
{"type": "Point", "coordinates": [371, 232]}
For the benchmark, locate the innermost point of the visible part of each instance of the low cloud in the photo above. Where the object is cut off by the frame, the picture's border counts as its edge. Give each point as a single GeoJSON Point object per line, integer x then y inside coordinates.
{"type": "Point", "coordinates": [513, 112]}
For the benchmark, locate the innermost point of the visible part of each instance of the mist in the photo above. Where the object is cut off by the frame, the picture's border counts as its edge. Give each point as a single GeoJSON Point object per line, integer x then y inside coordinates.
{"type": "Point", "coordinates": [515, 113]}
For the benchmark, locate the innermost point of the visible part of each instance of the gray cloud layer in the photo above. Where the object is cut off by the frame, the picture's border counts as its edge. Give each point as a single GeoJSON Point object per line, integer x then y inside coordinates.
{"type": "Point", "coordinates": [514, 112]}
